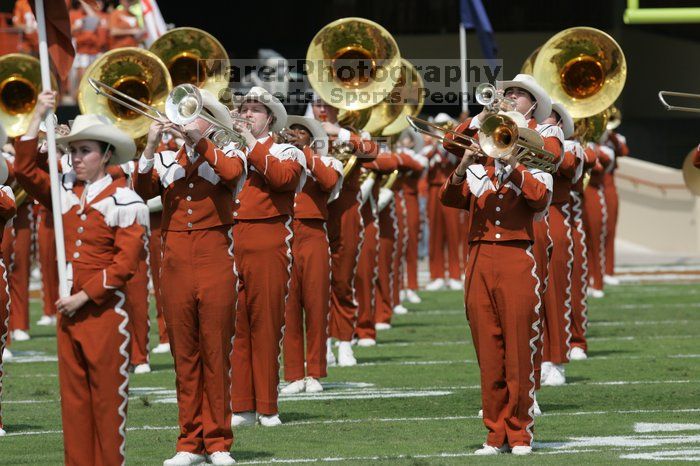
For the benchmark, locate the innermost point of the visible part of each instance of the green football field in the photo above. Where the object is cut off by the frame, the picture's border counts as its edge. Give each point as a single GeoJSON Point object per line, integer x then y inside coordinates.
{"type": "Point", "coordinates": [414, 398]}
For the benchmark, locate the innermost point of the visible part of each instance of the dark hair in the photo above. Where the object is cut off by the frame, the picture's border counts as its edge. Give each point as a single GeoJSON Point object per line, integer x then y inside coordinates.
{"type": "Point", "coordinates": [104, 146]}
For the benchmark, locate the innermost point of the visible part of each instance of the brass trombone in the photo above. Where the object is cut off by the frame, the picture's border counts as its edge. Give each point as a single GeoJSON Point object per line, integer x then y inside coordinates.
{"type": "Point", "coordinates": [498, 137]}
{"type": "Point", "coordinates": [662, 98]}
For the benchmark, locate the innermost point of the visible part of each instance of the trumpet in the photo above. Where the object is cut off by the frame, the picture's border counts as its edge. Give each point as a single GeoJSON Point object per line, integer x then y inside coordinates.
{"type": "Point", "coordinates": [493, 99]}
{"type": "Point", "coordinates": [685, 95]}
{"type": "Point", "coordinates": [498, 137]}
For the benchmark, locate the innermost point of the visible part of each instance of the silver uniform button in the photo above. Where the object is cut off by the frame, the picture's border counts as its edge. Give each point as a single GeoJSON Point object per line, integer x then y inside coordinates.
{"type": "Point", "coordinates": [83, 217]}
{"type": "Point", "coordinates": [498, 222]}
{"type": "Point", "coordinates": [238, 201]}
{"type": "Point", "coordinates": [498, 235]}
{"type": "Point", "coordinates": [500, 196]}
{"type": "Point", "coordinates": [189, 224]}
{"type": "Point", "coordinates": [189, 198]}
{"type": "Point", "coordinates": [78, 243]}
{"type": "Point", "coordinates": [76, 255]}
{"type": "Point", "coordinates": [498, 209]}
{"type": "Point", "coordinates": [189, 211]}
{"type": "Point", "coordinates": [81, 229]}
{"type": "Point", "coordinates": [191, 185]}
{"type": "Point", "coordinates": [235, 214]}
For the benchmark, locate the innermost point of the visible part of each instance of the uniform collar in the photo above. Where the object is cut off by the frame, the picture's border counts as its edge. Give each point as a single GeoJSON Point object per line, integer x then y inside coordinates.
{"type": "Point", "coordinates": [93, 189]}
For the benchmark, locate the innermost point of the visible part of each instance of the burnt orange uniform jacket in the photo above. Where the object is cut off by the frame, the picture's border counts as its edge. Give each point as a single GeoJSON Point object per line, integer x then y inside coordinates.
{"type": "Point", "coordinates": [308, 303]}
{"type": "Point", "coordinates": [502, 290]}
{"type": "Point", "coordinates": [105, 225]}
{"type": "Point", "coordinates": [121, 19]}
{"type": "Point", "coordinates": [7, 211]}
{"type": "Point", "coordinates": [263, 248]}
{"type": "Point", "coordinates": [198, 286]}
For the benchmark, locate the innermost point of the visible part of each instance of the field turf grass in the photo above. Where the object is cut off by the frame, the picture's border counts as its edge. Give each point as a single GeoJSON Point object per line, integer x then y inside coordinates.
{"type": "Point", "coordinates": [414, 398]}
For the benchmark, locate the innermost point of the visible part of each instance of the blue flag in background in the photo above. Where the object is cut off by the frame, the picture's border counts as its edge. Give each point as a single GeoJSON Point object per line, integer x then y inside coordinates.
{"type": "Point", "coordinates": [473, 16]}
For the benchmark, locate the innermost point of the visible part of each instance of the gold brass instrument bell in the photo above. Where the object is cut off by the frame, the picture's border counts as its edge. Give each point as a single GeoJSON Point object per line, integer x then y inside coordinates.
{"type": "Point", "coordinates": [353, 63]}
{"type": "Point", "coordinates": [583, 68]}
{"type": "Point", "coordinates": [194, 56]}
{"type": "Point", "coordinates": [20, 85]}
{"type": "Point", "coordinates": [410, 90]}
{"type": "Point", "coordinates": [136, 73]}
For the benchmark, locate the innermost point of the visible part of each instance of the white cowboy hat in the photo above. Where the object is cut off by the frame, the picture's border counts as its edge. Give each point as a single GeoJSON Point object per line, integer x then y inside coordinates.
{"type": "Point", "coordinates": [99, 128]}
{"type": "Point", "coordinates": [4, 170]}
{"type": "Point", "coordinates": [442, 118]}
{"type": "Point", "coordinates": [418, 141]}
{"type": "Point", "coordinates": [3, 136]}
{"type": "Point", "coordinates": [527, 82]}
{"type": "Point", "coordinates": [216, 108]}
{"type": "Point", "coordinates": [567, 121]}
{"type": "Point", "coordinates": [271, 102]}
{"type": "Point", "coordinates": [318, 136]}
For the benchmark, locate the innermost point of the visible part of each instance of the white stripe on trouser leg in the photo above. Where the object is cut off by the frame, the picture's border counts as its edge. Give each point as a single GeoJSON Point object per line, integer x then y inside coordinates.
{"type": "Point", "coordinates": [578, 220]}
{"type": "Point", "coordinates": [604, 229]}
{"type": "Point", "coordinates": [330, 282]}
{"type": "Point", "coordinates": [569, 268]}
{"type": "Point", "coordinates": [288, 241]}
{"type": "Point", "coordinates": [357, 257]}
{"type": "Point", "coordinates": [533, 344]}
{"type": "Point", "coordinates": [3, 336]}
{"type": "Point", "coordinates": [235, 308]}
{"type": "Point", "coordinates": [149, 278]}
{"type": "Point", "coordinates": [123, 369]}
{"type": "Point", "coordinates": [394, 250]}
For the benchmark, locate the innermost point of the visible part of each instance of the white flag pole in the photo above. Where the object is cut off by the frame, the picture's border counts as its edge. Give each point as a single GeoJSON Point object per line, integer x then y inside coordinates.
{"type": "Point", "coordinates": [463, 65]}
{"type": "Point", "coordinates": [53, 159]}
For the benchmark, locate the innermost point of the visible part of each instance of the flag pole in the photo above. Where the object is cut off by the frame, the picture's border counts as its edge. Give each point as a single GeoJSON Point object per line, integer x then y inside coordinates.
{"type": "Point", "coordinates": [463, 65]}
{"type": "Point", "coordinates": [53, 158]}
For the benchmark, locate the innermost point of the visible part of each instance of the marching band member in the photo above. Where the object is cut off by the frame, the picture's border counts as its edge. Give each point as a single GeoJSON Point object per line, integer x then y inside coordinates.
{"type": "Point", "coordinates": [309, 298]}
{"type": "Point", "coordinates": [124, 30]}
{"type": "Point", "coordinates": [502, 289]}
{"type": "Point", "coordinates": [17, 251]}
{"type": "Point", "coordinates": [556, 330]}
{"type": "Point", "coordinates": [412, 144]}
{"type": "Point", "coordinates": [345, 233]}
{"type": "Point", "coordinates": [443, 220]}
{"type": "Point", "coordinates": [373, 277]}
{"type": "Point", "coordinates": [46, 247]}
{"type": "Point", "coordinates": [197, 185]}
{"type": "Point", "coordinates": [579, 273]}
{"type": "Point", "coordinates": [7, 211]}
{"type": "Point", "coordinates": [618, 143]}
{"type": "Point", "coordinates": [263, 237]}
{"type": "Point", "coordinates": [105, 225]}
{"type": "Point", "coordinates": [595, 214]}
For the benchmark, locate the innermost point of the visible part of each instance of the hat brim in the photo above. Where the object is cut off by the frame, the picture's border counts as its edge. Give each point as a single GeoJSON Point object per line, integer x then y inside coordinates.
{"type": "Point", "coordinates": [544, 103]}
{"type": "Point", "coordinates": [316, 130]}
{"type": "Point", "coordinates": [124, 148]}
{"type": "Point", "coordinates": [4, 171]}
{"type": "Point", "coordinates": [567, 121]}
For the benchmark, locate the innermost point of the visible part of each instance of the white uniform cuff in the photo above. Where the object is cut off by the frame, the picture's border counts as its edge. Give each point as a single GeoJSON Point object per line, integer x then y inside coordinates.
{"type": "Point", "coordinates": [145, 165]}
{"type": "Point", "coordinates": [344, 135]}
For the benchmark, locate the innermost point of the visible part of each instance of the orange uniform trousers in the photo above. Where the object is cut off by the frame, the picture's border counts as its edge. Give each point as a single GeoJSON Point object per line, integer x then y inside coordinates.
{"type": "Point", "coordinates": [368, 275]}
{"type": "Point", "coordinates": [199, 299]}
{"type": "Point", "coordinates": [503, 301]}
{"type": "Point", "coordinates": [308, 303]}
{"type": "Point", "coordinates": [398, 269]}
{"type": "Point", "coordinates": [443, 224]}
{"type": "Point", "coordinates": [612, 203]}
{"type": "Point", "coordinates": [579, 276]}
{"type": "Point", "coordinates": [154, 245]}
{"type": "Point", "coordinates": [4, 323]}
{"type": "Point", "coordinates": [542, 250]}
{"type": "Point", "coordinates": [137, 307]}
{"type": "Point", "coordinates": [17, 251]}
{"type": "Point", "coordinates": [47, 260]}
{"type": "Point", "coordinates": [594, 223]}
{"type": "Point", "coordinates": [345, 233]}
{"type": "Point", "coordinates": [264, 262]}
{"type": "Point", "coordinates": [386, 263]}
{"type": "Point", "coordinates": [93, 348]}
{"type": "Point", "coordinates": [413, 230]}
{"type": "Point", "coordinates": [557, 316]}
